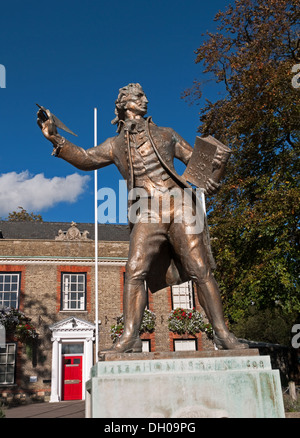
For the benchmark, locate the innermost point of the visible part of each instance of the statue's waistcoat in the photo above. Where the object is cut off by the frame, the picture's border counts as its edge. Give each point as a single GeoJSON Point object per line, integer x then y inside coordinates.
{"type": "Point", "coordinates": [147, 170]}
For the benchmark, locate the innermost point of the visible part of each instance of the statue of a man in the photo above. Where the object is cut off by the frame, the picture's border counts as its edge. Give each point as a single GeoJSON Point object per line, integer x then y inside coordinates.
{"type": "Point", "coordinates": [161, 253]}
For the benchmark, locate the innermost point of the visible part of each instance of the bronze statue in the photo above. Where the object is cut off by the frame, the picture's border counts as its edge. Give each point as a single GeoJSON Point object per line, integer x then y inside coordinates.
{"type": "Point", "coordinates": [161, 252]}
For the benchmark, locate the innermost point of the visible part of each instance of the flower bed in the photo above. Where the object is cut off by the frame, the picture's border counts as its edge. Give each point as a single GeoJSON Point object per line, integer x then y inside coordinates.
{"type": "Point", "coordinates": [187, 321]}
{"type": "Point", "coordinates": [148, 325]}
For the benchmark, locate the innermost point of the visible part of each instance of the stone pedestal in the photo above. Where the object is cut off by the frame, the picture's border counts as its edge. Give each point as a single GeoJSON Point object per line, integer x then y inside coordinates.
{"type": "Point", "coordinates": [233, 384]}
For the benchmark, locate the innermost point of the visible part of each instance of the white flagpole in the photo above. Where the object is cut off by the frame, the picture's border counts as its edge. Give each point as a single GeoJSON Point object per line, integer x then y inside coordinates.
{"type": "Point", "coordinates": [96, 246]}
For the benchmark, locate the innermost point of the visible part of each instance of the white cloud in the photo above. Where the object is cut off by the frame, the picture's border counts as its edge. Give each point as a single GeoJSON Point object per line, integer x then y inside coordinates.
{"type": "Point", "coordinates": [36, 192]}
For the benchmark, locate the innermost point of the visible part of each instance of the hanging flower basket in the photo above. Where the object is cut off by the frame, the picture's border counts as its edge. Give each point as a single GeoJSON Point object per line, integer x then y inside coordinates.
{"type": "Point", "coordinates": [187, 321]}
{"type": "Point", "coordinates": [17, 325]}
{"type": "Point", "coordinates": [148, 325]}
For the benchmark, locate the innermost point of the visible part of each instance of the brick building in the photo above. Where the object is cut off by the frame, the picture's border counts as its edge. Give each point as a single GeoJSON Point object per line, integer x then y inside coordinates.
{"type": "Point", "coordinates": [47, 271]}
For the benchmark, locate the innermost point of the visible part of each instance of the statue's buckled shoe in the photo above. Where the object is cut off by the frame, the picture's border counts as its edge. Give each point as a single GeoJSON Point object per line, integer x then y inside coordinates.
{"type": "Point", "coordinates": [229, 342]}
{"type": "Point", "coordinates": [133, 345]}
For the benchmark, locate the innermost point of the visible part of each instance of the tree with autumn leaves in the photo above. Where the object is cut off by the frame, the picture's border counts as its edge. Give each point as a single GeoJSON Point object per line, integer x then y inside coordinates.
{"type": "Point", "coordinates": [254, 218]}
{"type": "Point", "coordinates": [23, 216]}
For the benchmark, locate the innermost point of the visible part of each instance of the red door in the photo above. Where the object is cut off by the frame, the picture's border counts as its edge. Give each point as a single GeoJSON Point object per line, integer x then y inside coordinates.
{"type": "Point", "coordinates": [72, 378]}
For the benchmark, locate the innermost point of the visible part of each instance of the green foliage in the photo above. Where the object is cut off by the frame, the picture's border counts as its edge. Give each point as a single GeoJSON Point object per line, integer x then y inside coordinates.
{"type": "Point", "coordinates": [17, 324]}
{"type": "Point", "coordinates": [291, 405]}
{"type": "Point", "coordinates": [24, 216]}
{"type": "Point", "coordinates": [254, 218]}
{"type": "Point", "coordinates": [147, 325]}
{"type": "Point", "coordinates": [2, 412]}
{"type": "Point", "coordinates": [267, 325]}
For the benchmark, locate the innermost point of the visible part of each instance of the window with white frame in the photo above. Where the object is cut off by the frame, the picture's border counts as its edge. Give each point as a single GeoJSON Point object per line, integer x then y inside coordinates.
{"type": "Point", "coordinates": [9, 289]}
{"type": "Point", "coordinates": [185, 345]}
{"type": "Point", "coordinates": [73, 291]}
{"type": "Point", "coordinates": [182, 295]}
{"type": "Point", "coordinates": [7, 364]}
{"type": "Point", "coordinates": [146, 345]}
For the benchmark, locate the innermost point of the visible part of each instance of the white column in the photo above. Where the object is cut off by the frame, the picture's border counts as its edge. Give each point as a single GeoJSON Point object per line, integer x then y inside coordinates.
{"type": "Point", "coordinates": [88, 362]}
{"type": "Point", "coordinates": [55, 371]}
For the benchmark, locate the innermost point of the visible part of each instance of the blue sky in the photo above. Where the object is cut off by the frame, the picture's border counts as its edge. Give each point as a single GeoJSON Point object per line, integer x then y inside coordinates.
{"type": "Point", "coordinates": [72, 56]}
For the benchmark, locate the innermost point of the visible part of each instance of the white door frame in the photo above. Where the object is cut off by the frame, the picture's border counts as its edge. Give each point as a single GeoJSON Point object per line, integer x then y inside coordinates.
{"type": "Point", "coordinates": [70, 330]}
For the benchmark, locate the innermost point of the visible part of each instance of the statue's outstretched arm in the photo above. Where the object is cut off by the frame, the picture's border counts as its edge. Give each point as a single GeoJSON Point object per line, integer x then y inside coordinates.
{"type": "Point", "coordinates": [87, 159]}
{"type": "Point", "coordinates": [84, 159]}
